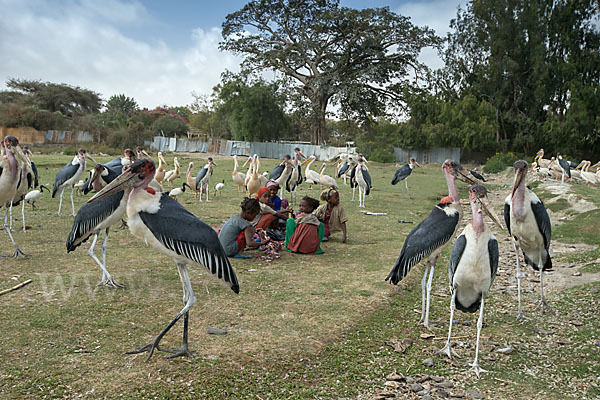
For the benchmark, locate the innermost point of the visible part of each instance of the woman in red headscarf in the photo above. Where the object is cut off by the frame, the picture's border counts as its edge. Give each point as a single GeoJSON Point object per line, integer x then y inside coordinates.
{"type": "Point", "coordinates": [267, 215]}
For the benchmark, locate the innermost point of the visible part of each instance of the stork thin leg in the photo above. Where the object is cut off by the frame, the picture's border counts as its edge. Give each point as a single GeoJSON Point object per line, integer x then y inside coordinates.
{"type": "Point", "coordinates": [447, 349]}
{"type": "Point", "coordinates": [562, 179]}
{"type": "Point", "coordinates": [207, 192]}
{"type": "Point", "coordinates": [11, 218]}
{"type": "Point", "coordinates": [18, 253]}
{"type": "Point", "coordinates": [520, 314]}
{"type": "Point", "coordinates": [107, 279]}
{"type": "Point", "coordinates": [62, 191]}
{"type": "Point", "coordinates": [423, 292]}
{"type": "Point", "coordinates": [429, 282]}
{"type": "Point", "coordinates": [545, 307]}
{"type": "Point", "coordinates": [23, 214]}
{"type": "Point", "coordinates": [72, 203]}
{"type": "Point", "coordinates": [189, 300]}
{"type": "Point", "coordinates": [353, 190]}
{"type": "Point", "coordinates": [475, 366]}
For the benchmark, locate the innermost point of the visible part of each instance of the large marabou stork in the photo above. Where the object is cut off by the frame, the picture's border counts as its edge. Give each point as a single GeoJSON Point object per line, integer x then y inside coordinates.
{"type": "Point", "coordinates": [346, 169]}
{"type": "Point", "coordinates": [363, 181]}
{"type": "Point", "coordinates": [295, 178]}
{"type": "Point", "coordinates": [69, 175]}
{"type": "Point", "coordinates": [565, 166]}
{"type": "Point", "coordinates": [404, 172]}
{"type": "Point", "coordinates": [472, 267]}
{"type": "Point", "coordinates": [100, 176]}
{"type": "Point", "coordinates": [27, 181]}
{"type": "Point", "coordinates": [203, 177]}
{"type": "Point", "coordinates": [284, 176]}
{"type": "Point", "coordinates": [91, 219]}
{"type": "Point", "coordinates": [428, 239]}
{"type": "Point", "coordinates": [157, 220]}
{"type": "Point", "coordinates": [9, 179]}
{"type": "Point", "coordinates": [529, 224]}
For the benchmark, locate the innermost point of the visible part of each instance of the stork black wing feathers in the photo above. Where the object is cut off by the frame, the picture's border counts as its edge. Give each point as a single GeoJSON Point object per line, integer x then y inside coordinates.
{"type": "Point", "coordinates": [183, 233]}
{"type": "Point", "coordinates": [200, 176]}
{"type": "Point", "coordinates": [367, 178]}
{"type": "Point", "coordinates": [457, 251]}
{"type": "Point", "coordinates": [89, 216]}
{"type": "Point", "coordinates": [64, 175]}
{"type": "Point", "coordinates": [401, 174]}
{"type": "Point", "coordinates": [494, 254]}
{"type": "Point", "coordinates": [343, 169]}
{"type": "Point", "coordinates": [433, 232]}
{"type": "Point", "coordinates": [277, 171]}
{"type": "Point", "coordinates": [543, 222]}
{"type": "Point", "coordinates": [507, 217]}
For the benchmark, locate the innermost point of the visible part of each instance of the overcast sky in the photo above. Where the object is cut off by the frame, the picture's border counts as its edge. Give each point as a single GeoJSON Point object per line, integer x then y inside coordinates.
{"type": "Point", "coordinates": [157, 52]}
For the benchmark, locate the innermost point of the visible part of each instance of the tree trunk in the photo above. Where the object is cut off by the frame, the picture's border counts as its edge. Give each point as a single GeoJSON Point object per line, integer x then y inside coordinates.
{"type": "Point", "coordinates": [319, 107]}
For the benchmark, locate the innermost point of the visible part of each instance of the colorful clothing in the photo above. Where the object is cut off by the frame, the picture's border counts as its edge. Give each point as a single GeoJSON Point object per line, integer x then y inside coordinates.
{"type": "Point", "coordinates": [304, 234]}
{"type": "Point", "coordinates": [230, 232]}
{"type": "Point", "coordinates": [265, 211]}
{"type": "Point", "coordinates": [337, 217]}
{"type": "Point", "coordinates": [276, 203]}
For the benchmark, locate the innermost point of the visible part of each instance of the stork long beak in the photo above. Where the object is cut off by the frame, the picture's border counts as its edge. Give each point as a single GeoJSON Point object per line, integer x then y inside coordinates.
{"type": "Point", "coordinates": [22, 156]}
{"type": "Point", "coordinates": [485, 206]}
{"type": "Point", "coordinates": [122, 182]}
{"type": "Point", "coordinates": [519, 176]}
{"type": "Point", "coordinates": [214, 163]}
{"type": "Point", "coordinates": [90, 157]}
{"type": "Point", "coordinates": [417, 164]}
{"type": "Point", "coordinates": [460, 174]}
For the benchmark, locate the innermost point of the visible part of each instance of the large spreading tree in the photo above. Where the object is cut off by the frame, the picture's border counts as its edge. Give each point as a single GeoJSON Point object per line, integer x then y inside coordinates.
{"type": "Point", "coordinates": [358, 59]}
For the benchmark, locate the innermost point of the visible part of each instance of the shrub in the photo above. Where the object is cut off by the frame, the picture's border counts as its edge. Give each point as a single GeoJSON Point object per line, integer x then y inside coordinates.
{"type": "Point", "coordinates": [499, 162]}
{"type": "Point", "coordinates": [69, 151]}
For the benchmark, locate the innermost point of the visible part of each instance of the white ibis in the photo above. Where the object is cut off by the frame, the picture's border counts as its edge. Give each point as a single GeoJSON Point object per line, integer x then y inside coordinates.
{"type": "Point", "coordinates": [9, 179]}
{"type": "Point", "coordinates": [219, 186]}
{"type": "Point", "coordinates": [296, 177]}
{"type": "Point", "coordinates": [173, 174]}
{"type": "Point", "coordinates": [428, 239]}
{"type": "Point", "coordinates": [326, 180]}
{"type": "Point", "coordinates": [176, 192]}
{"type": "Point", "coordinates": [69, 175]}
{"type": "Point", "coordinates": [472, 267]}
{"type": "Point", "coordinates": [239, 178]}
{"type": "Point", "coordinates": [565, 167]}
{"type": "Point", "coordinates": [203, 177]}
{"type": "Point", "coordinates": [528, 223]}
{"type": "Point", "coordinates": [404, 172]}
{"type": "Point", "coordinates": [363, 181]}
{"type": "Point", "coordinates": [160, 171]}
{"type": "Point", "coordinates": [157, 219]}
{"type": "Point", "coordinates": [34, 195]}
{"type": "Point", "coordinates": [309, 174]}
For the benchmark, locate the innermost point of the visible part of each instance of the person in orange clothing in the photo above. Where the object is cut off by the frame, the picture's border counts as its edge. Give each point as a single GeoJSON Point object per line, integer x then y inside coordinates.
{"type": "Point", "coordinates": [304, 234]}
{"type": "Point", "coordinates": [267, 215]}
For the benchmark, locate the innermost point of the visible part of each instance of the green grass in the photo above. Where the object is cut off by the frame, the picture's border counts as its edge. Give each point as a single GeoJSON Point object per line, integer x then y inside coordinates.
{"type": "Point", "coordinates": [302, 326]}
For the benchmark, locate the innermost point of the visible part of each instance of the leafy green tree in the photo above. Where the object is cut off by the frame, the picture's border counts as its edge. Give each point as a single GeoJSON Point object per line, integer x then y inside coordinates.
{"type": "Point", "coordinates": [170, 126]}
{"type": "Point", "coordinates": [359, 59]}
{"type": "Point", "coordinates": [121, 104]}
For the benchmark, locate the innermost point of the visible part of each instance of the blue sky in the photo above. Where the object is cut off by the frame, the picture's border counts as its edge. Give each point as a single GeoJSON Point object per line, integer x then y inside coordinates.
{"type": "Point", "coordinates": [157, 52]}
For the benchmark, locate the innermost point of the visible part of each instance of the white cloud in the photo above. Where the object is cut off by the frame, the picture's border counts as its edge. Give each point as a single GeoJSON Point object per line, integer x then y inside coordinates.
{"type": "Point", "coordinates": [81, 44]}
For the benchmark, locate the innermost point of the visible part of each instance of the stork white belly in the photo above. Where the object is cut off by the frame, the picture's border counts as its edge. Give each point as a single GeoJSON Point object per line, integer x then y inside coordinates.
{"type": "Point", "coordinates": [526, 231]}
{"type": "Point", "coordinates": [473, 273]}
{"type": "Point", "coordinates": [116, 216]}
{"type": "Point", "coordinates": [75, 178]}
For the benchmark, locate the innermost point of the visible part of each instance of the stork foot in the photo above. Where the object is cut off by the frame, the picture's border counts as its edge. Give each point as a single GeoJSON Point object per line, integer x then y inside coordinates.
{"type": "Point", "coordinates": [447, 351]}
{"type": "Point", "coordinates": [149, 348]}
{"type": "Point", "coordinates": [110, 282]}
{"type": "Point", "coordinates": [180, 352]}
{"type": "Point", "coordinates": [123, 224]}
{"type": "Point", "coordinates": [19, 254]}
{"type": "Point", "coordinates": [546, 309]}
{"type": "Point", "coordinates": [477, 369]}
{"type": "Point", "coordinates": [520, 316]}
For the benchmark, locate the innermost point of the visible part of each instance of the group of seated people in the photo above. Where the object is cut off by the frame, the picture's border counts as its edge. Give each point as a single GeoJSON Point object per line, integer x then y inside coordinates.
{"type": "Point", "coordinates": [300, 232]}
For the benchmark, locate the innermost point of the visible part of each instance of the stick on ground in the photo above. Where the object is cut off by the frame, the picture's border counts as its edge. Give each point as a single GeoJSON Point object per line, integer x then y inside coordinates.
{"type": "Point", "coordinates": [17, 287]}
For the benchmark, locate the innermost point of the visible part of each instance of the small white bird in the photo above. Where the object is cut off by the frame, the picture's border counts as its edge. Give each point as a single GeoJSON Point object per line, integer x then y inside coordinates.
{"type": "Point", "coordinates": [219, 186]}
{"type": "Point", "coordinates": [79, 186]}
{"type": "Point", "coordinates": [34, 195]}
{"type": "Point", "coordinates": [178, 190]}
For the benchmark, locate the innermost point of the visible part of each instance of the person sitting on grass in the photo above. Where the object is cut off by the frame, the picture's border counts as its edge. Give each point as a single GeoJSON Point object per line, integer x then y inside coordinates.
{"type": "Point", "coordinates": [237, 232]}
{"type": "Point", "coordinates": [332, 214]}
{"type": "Point", "coordinates": [276, 203]}
{"type": "Point", "coordinates": [304, 234]}
{"type": "Point", "coordinates": [266, 216]}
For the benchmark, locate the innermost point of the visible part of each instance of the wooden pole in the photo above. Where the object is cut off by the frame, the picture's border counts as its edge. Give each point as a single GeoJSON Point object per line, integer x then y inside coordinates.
{"type": "Point", "coordinates": [17, 287]}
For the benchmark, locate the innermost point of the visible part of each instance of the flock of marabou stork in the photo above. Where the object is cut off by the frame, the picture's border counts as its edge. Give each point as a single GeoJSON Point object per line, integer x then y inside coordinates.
{"type": "Point", "coordinates": [131, 187]}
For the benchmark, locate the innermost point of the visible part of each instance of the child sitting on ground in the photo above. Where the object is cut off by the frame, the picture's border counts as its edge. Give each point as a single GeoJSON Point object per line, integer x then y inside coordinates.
{"type": "Point", "coordinates": [276, 203]}
{"type": "Point", "coordinates": [304, 234]}
{"type": "Point", "coordinates": [332, 214]}
{"type": "Point", "coordinates": [267, 215]}
{"type": "Point", "coordinates": [237, 232]}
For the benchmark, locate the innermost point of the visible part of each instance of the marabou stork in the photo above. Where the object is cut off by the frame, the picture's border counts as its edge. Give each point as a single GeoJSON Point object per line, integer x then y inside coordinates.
{"type": "Point", "coordinates": [363, 180]}
{"type": "Point", "coordinates": [160, 171]}
{"type": "Point", "coordinates": [173, 174]}
{"type": "Point", "coordinates": [9, 179]}
{"type": "Point", "coordinates": [27, 181]}
{"type": "Point", "coordinates": [281, 168]}
{"type": "Point", "coordinates": [346, 169]}
{"type": "Point", "coordinates": [472, 267]}
{"type": "Point", "coordinates": [282, 173]}
{"type": "Point", "coordinates": [239, 178]}
{"type": "Point", "coordinates": [100, 176]}
{"type": "Point", "coordinates": [529, 224]}
{"type": "Point", "coordinates": [404, 172]}
{"type": "Point", "coordinates": [295, 178]}
{"type": "Point", "coordinates": [91, 219]}
{"type": "Point", "coordinates": [203, 177]}
{"type": "Point", "coordinates": [69, 175]}
{"type": "Point", "coordinates": [309, 174]}
{"type": "Point", "coordinates": [428, 239]}
{"type": "Point", "coordinates": [141, 153]}
{"type": "Point", "coordinates": [565, 167]}
{"type": "Point", "coordinates": [157, 220]}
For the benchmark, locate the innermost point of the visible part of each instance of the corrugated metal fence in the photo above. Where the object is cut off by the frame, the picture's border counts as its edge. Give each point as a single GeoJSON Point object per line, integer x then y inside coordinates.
{"type": "Point", "coordinates": [278, 150]}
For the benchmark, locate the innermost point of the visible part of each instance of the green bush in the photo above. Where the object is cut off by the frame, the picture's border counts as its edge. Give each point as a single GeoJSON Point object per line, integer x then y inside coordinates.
{"type": "Point", "coordinates": [499, 162]}
{"type": "Point", "coordinates": [69, 151]}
